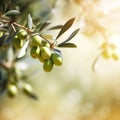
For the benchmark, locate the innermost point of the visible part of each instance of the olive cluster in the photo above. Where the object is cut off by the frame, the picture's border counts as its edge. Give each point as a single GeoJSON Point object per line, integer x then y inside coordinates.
{"type": "Point", "coordinates": [39, 49]}
{"type": "Point", "coordinates": [18, 39]}
{"type": "Point", "coordinates": [12, 89]}
{"type": "Point", "coordinates": [42, 50]}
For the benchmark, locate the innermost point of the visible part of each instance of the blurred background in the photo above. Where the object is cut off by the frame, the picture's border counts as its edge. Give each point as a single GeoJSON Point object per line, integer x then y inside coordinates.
{"type": "Point", "coordinates": [85, 87]}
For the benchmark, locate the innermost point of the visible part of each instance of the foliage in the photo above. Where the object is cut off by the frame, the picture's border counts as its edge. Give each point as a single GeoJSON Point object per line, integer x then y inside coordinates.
{"type": "Point", "coordinates": [18, 37]}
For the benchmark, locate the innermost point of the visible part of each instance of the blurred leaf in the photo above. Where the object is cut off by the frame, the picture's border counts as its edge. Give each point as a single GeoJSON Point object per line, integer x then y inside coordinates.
{"type": "Point", "coordinates": [47, 36]}
{"type": "Point", "coordinates": [2, 38]}
{"type": "Point", "coordinates": [3, 29]}
{"type": "Point", "coordinates": [57, 51]}
{"type": "Point", "coordinates": [23, 50]}
{"type": "Point", "coordinates": [56, 27]}
{"type": "Point", "coordinates": [30, 22]}
{"type": "Point", "coordinates": [66, 26]}
{"type": "Point", "coordinates": [44, 25]}
{"type": "Point", "coordinates": [115, 56]}
{"type": "Point", "coordinates": [70, 45]}
{"type": "Point", "coordinates": [12, 12]}
{"type": "Point", "coordinates": [105, 54]}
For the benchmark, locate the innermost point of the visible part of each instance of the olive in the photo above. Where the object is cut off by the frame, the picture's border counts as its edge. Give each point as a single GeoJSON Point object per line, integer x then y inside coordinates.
{"type": "Point", "coordinates": [48, 65]}
{"type": "Point", "coordinates": [40, 58]}
{"type": "Point", "coordinates": [36, 40]}
{"type": "Point", "coordinates": [17, 43]}
{"type": "Point", "coordinates": [45, 43]}
{"type": "Point", "coordinates": [45, 53]}
{"type": "Point", "coordinates": [27, 88]}
{"type": "Point", "coordinates": [34, 52]}
{"type": "Point", "coordinates": [12, 90]}
{"type": "Point", "coordinates": [57, 59]}
{"type": "Point", "coordinates": [22, 34]}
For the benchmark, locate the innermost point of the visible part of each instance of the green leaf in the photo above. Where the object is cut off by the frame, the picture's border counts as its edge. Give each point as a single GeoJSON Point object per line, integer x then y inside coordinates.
{"type": "Point", "coordinates": [66, 26]}
{"type": "Point", "coordinates": [12, 12]}
{"type": "Point", "coordinates": [71, 36]}
{"type": "Point", "coordinates": [47, 36]}
{"type": "Point", "coordinates": [44, 25]}
{"type": "Point", "coordinates": [23, 50]}
{"type": "Point", "coordinates": [67, 45]}
{"type": "Point", "coordinates": [30, 22]}
{"type": "Point", "coordinates": [56, 27]}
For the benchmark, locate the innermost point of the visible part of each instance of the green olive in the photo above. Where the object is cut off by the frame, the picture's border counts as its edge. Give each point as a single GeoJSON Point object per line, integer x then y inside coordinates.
{"type": "Point", "coordinates": [57, 59]}
{"type": "Point", "coordinates": [34, 52]}
{"type": "Point", "coordinates": [41, 59]}
{"type": "Point", "coordinates": [45, 53]}
{"type": "Point", "coordinates": [12, 90]}
{"type": "Point", "coordinates": [17, 43]}
{"type": "Point", "coordinates": [22, 34]}
{"type": "Point", "coordinates": [48, 65]}
{"type": "Point", "coordinates": [36, 40]}
{"type": "Point", "coordinates": [45, 43]}
{"type": "Point", "coordinates": [27, 88]}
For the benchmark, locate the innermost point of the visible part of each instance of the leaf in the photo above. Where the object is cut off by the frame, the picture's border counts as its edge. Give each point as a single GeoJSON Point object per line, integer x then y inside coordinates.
{"type": "Point", "coordinates": [67, 45]}
{"type": "Point", "coordinates": [105, 54]}
{"type": "Point", "coordinates": [12, 12]}
{"type": "Point", "coordinates": [44, 25]}
{"type": "Point", "coordinates": [66, 26]}
{"type": "Point", "coordinates": [47, 36]}
{"type": "Point", "coordinates": [71, 36]}
{"type": "Point", "coordinates": [115, 56]}
{"type": "Point", "coordinates": [56, 27]}
{"type": "Point", "coordinates": [30, 22]}
{"type": "Point", "coordinates": [23, 50]}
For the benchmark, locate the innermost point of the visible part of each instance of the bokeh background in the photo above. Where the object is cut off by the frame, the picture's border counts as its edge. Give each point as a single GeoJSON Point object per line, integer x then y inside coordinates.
{"type": "Point", "coordinates": [73, 91]}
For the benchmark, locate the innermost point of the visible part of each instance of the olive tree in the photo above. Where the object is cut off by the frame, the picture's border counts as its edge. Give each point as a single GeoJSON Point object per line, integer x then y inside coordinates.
{"type": "Point", "coordinates": [25, 35]}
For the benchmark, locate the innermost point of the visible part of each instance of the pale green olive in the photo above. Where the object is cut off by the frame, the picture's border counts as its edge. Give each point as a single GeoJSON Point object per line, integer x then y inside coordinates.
{"type": "Point", "coordinates": [12, 90]}
{"type": "Point", "coordinates": [45, 43]}
{"type": "Point", "coordinates": [48, 65]}
{"type": "Point", "coordinates": [34, 52]}
{"type": "Point", "coordinates": [22, 34]}
{"type": "Point", "coordinates": [57, 59]}
{"type": "Point", "coordinates": [36, 40]}
{"type": "Point", "coordinates": [41, 59]}
{"type": "Point", "coordinates": [27, 88]}
{"type": "Point", "coordinates": [45, 53]}
{"type": "Point", "coordinates": [17, 43]}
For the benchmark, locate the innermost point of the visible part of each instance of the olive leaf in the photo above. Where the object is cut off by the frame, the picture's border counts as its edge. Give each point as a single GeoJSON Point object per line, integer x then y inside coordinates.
{"type": "Point", "coordinates": [56, 27]}
{"type": "Point", "coordinates": [30, 22]}
{"type": "Point", "coordinates": [57, 51]}
{"type": "Point", "coordinates": [71, 36]}
{"type": "Point", "coordinates": [66, 26]}
{"type": "Point", "coordinates": [47, 36]}
{"type": "Point", "coordinates": [23, 50]}
{"type": "Point", "coordinates": [12, 12]}
{"type": "Point", "coordinates": [44, 25]}
{"type": "Point", "coordinates": [67, 45]}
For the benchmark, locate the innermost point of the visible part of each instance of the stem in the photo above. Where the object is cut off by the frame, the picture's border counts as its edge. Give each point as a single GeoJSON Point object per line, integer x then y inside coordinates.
{"type": "Point", "coordinates": [4, 65]}
{"type": "Point", "coordinates": [12, 23]}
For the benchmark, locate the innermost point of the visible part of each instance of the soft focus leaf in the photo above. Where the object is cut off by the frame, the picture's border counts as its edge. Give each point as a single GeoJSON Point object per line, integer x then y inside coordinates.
{"type": "Point", "coordinates": [70, 45]}
{"type": "Point", "coordinates": [66, 26]}
{"type": "Point", "coordinates": [115, 56]}
{"type": "Point", "coordinates": [44, 25]}
{"type": "Point", "coordinates": [105, 54]}
{"type": "Point", "coordinates": [47, 36]}
{"type": "Point", "coordinates": [56, 27]}
{"type": "Point", "coordinates": [23, 50]}
{"type": "Point", "coordinates": [12, 12]}
{"type": "Point", "coordinates": [30, 22]}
